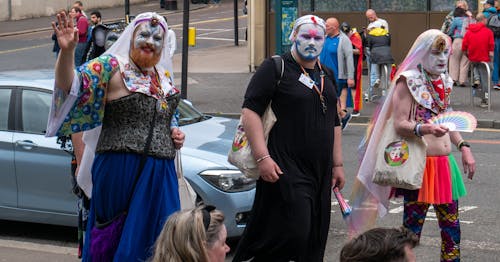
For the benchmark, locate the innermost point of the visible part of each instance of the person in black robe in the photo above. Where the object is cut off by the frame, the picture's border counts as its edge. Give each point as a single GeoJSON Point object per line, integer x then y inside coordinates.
{"type": "Point", "coordinates": [290, 217]}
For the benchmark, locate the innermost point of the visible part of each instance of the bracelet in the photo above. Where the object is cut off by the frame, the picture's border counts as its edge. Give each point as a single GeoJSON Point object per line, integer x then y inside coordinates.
{"type": "Point", "coordinates": [461, 144]}
{"type": "Point", "coordinates": [416, 130]}
{"type": "Point", "coordinates": [260, 159]}
{"type": "Point", "coordinates": [339, 165]}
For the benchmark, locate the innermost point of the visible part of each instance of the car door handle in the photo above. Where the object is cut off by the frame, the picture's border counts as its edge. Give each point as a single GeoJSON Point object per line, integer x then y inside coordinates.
{"type": "Point", "coordinates": [27, 144]}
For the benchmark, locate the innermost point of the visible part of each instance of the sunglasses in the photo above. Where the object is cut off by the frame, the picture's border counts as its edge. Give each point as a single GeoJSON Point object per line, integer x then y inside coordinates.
{"type": "Point", "coordinates": [206, 215]}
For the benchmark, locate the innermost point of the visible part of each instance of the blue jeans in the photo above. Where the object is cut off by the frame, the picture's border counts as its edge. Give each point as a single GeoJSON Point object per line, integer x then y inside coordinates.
{"type": "Point", "coordinates": [80, 49]}
{"type": "Point", "coordinates": [374, 73]}
{"type": "Point", "coordinates": [496, 62]}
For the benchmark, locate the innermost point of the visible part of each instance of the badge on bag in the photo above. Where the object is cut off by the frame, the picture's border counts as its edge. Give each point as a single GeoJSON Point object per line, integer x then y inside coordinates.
{"type": "Point", "coordinates": [307, 81]}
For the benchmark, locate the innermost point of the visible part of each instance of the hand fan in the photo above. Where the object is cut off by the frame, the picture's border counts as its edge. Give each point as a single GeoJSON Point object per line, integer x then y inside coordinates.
{"type": "Point", "coordinates": [456, 121]}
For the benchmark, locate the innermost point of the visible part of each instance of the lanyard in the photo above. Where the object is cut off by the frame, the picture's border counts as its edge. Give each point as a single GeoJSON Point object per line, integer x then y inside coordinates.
{"type": "Point", "coordinates": [318, 90]}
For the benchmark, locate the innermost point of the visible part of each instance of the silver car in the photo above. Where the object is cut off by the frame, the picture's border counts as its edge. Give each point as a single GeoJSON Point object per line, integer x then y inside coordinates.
{"type": "Point", "coordinates": [35, 182]}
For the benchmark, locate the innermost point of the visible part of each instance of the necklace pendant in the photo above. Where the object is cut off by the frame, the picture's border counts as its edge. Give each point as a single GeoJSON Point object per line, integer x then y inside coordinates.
{"type": "Point", "coordinates": [323, 104]}
{"type": "Point", "coordinates": [161, 105]}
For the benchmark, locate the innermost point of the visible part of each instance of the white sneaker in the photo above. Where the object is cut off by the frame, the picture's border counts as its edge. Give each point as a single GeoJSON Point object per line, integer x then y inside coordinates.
{"type": "Point", "coordinates": [377, 83]}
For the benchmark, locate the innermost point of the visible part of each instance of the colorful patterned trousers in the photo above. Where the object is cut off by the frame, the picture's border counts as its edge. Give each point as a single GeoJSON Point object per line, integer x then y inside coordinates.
{"type": "Point", "coordinates": [447, 215]}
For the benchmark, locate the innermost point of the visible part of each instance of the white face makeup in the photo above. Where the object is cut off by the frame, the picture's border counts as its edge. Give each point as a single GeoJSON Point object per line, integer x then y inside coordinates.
{"type": "Point", "coordinates": [149, 38]}
{"type": "Point", "coordinates": [309, 41]}
{"type": "Point", "coordinates": [436, 62]}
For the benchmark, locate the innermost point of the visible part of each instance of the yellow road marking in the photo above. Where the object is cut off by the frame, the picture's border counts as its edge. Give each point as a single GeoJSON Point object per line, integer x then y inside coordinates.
{"type": "Point", "coordinates": [24, 48]}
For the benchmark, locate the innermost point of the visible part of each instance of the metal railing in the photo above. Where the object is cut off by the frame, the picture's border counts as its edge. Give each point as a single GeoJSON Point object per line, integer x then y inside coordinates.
{"type": "Point", "coordinates": [383, 87]}
{"type": "Point", "coordinates": [487, 95]}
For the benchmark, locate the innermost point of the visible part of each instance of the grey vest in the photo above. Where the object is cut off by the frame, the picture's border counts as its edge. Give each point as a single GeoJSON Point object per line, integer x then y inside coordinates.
{"type": "Point", "coordinates": [126, 126]}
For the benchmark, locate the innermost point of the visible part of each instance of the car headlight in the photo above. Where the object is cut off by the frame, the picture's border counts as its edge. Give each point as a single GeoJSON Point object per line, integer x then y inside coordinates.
{"type": "Point", "coordinates": [228, 180]}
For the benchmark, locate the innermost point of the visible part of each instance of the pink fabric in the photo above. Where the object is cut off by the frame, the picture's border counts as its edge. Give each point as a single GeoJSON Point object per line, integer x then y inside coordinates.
{"type": "Point", "coordinates": [436, 184]}
{"type": "Point", "coordinates": [82, 24]}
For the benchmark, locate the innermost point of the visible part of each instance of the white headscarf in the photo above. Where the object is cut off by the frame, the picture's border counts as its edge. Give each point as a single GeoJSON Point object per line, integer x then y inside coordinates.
{"type": "Point", "coordinates": [121, 48]}
{"type": "Point", "coordinates": [369, 199]}
{"type": "Point", "coordinates": [306, 19]}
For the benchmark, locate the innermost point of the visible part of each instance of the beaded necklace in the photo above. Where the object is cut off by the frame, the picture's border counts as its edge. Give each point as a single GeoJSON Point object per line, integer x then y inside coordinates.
{"type": "Point", "coordinates": [442, 104]}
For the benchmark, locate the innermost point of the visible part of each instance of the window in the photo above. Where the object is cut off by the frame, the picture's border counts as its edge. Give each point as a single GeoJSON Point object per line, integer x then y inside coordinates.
{"type": "Point", "coordinates": [399, 5]}
{"type": "Point", "coordinates": [339, 6]}
{"type": "Point", "coordinates": [35, 111]}
{"type": "Point", "coordinates": [448, 5]}
{"type": "Point", "coordinates": [4, 108]}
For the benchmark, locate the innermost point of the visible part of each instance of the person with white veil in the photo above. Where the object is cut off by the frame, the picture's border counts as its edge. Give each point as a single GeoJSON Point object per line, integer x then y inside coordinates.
{"type": "Point", "coordinates": [125, 102]}
{"type": "Point", "coordinates": [421, 81]}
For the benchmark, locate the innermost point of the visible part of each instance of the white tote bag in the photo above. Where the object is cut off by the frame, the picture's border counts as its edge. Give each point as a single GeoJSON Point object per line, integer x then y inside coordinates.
{"type": "Point", "coordinates": [187, 194]}
{"type": "Point", "coordinates": [240, 153]}
{"type": "Point", "coordinates": [400, 161]}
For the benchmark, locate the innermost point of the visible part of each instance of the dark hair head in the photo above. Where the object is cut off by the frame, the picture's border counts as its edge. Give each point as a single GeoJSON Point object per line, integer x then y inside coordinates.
{"type": "Point", "coordinates": [379, 244]}
{"type": "Point", "coordinates": [96, 13]}
{"type": "Point", "coordinates": [459, 12]}
{"type": "Point", "coordinates": [77, 9]}
{"type": "Point", "coordinates": [79, 3]}
{"type": "Point", "coordinates": [345, 27]}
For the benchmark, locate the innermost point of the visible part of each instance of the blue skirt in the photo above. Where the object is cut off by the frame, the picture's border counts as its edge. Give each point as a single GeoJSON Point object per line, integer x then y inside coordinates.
{"type": "Point", "coordinates": [155, 197]}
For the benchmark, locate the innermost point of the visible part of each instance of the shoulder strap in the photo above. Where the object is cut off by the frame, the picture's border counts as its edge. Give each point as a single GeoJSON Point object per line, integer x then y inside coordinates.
{"type": "Point", "coordinates": [280, 66]}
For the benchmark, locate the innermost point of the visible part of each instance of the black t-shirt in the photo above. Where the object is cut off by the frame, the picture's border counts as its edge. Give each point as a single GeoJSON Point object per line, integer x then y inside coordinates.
{"type": "Point", "coordinates": [302, 131]}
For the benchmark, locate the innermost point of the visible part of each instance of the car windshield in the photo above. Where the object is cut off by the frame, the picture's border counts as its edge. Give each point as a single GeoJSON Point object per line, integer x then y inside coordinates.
{"type": "Point", "coordinates": [188, 114]}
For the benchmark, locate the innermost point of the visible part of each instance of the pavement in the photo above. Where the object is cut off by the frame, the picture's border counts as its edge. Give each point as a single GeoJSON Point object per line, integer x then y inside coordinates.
{"type": "Point", "coordinates": [218, 76]}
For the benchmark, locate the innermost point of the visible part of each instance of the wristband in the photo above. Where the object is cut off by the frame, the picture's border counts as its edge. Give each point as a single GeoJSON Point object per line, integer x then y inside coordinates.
{"type": "Point", "coordinates": [416, 130]}
{"type": "Point", "coordinates": [260, 159]}
{"type": "Point", "coordinates": [461, 144]}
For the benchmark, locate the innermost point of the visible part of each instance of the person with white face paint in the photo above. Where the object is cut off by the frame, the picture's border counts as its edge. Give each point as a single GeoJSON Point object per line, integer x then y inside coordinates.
{"type": "Point", "coordinates": [302, 159]}
{"type": "Point", "coordinates": [125, 103]}
{"type": "Point", "coordinates": [422, 84]}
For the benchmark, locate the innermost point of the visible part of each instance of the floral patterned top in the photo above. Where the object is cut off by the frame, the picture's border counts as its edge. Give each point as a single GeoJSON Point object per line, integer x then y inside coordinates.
{"type": "Point", "coordinates": [88, 110]}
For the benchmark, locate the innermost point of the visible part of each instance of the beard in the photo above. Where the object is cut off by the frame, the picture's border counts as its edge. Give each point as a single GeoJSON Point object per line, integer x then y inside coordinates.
{"type": "Point", "coordinates": [144, 61]}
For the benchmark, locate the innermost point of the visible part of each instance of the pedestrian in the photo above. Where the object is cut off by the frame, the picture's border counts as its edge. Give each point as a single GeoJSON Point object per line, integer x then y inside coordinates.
{"type": "Point", "coordinates": [337, 55]}
{"type": "Point", "coordinates": [459, 63]}
{"type": "Point", "coordinates": [357, 55]}
{"type": "Point", "coordinates": [449, 17]}
{"type": "Point", "coordinates": [90, 48]}
{"type": "Point", "coordinates": [55, 47]}
{"type": "Point", "coordinates": [489, 8]}
{"type": "Point", "coordinates": [125, 103]}
{"type": "Point", "coordinates": [82, 25]}
{"type": "Point", "coordinates": [479, 46]}
{"type": "Point", "coordinates": [381, 244]}
{"type": "Point", "coordinates": [374, 22]}
{"type": "Point", "coordinates": [302, 161]}
{"type": "Point", "coordinates": [372, 17]}
{"type": "Point", "coordinates": [95, 19]}
{"type": "Point", "coordinates": [197, 234]}
{"type": "Point", "coordinates": [493, 23]}
{"type": "Point", "coordinates": [79, 4]}
{"type": "Point", "coordinates": [421, 84]}
{"type": "Point", "coordinates": [378, 46]}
